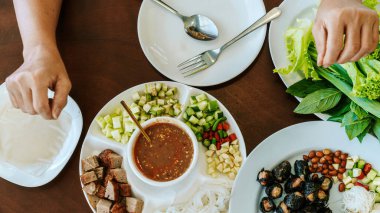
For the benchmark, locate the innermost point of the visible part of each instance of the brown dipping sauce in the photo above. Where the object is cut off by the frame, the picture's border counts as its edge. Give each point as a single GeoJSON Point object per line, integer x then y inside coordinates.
{"type": "Point", "coordinates": [168, 156]}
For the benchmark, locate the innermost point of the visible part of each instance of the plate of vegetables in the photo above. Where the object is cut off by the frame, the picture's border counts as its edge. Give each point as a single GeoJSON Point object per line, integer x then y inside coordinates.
{"type": "Point", "coordinates": [220, 151]}
{"type": "Point", "coordinates": [345, 93]}
{"type": "Point", "coordinates": [309, 167]}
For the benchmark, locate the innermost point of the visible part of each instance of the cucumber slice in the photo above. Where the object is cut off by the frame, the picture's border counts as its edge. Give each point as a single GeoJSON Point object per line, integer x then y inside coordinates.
{"type": "Point", "coordinates": [372, 174]}
{"type": "Point", "coordinates": [195, 108]}
{"type": "Point", "coordinates": [116, 122]}
{"type": "Point", "coordinates": [377, 198]}
{"type": "Point", "coordinates": [101, 122]}
{"type": "Point", "coordinates": [136, 96]}
{"type": "Point", "coordinates": [356, 172]}
{"type": "Point", "coordinates": [212, 106]}
{"type": "Point", "coordinates": [202, 105]}
{"type": "Point", "coordinates": [158, 86]}
{"type": "Point", "coordinates": [193, 120]}
{"type": "Point", "coordinates": [193, 100]}
{"type": "Point", "coordinates": [199, 114]}
{"type": "Point", "coordinates": [366, 180]}
{"type": "Point", "coordinates": [190, 111]}
{"type": "Point", "coordinates": [161, 102]}
{"type": "Point", "coordinates": [361, 163]}
{"type": "Point", "coordinates": [161, 94]}
{"type": "Point", "coordinates": [218, 114]}
{"type": "Point", "coordinates": [201, 97]}
{"type": "Point", "coordinates": [376, 181]}
{"type": "Point", "coordinates": [202, 122]}
{"type": "Point", "coordinates": [164, 87]}
{"type": "Point", "coordinates": [209, 118]}
{"type": "Point", "coordinates": [185, 116]}
{"type": "Point", "coordinates": [350, 164]}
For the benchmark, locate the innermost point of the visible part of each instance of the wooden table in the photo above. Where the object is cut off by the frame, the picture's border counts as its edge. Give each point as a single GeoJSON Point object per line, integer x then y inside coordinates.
{"type": "Point", "coordinates": [99, 45]}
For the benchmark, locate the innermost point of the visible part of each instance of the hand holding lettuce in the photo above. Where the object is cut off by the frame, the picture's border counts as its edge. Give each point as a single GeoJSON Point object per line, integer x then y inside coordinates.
{"type": "Point", "coordinates": [349, 93]}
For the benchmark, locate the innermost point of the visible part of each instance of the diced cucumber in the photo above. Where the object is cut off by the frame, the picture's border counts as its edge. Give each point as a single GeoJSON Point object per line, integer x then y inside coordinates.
{"type": "Point", "coordinates": [199, 136]}
{"type": "Point", "coordinates": [116, 122]}
{"type": "Point", "coordinates": [377, 198]}
{"type": "Point", "coordinates": [177, 111]}
{"type": "Point", "coordinates": [161, 102]}
{"type": "Point", "coordinates": [167, 108]}
{"type": "Point", "coordinates": [372, 187]}
{"type": "Point", "coordinates": [101, 122]}
{"type": "Point", "coordinates": [171, 112]}
{"type": "Point", "coordinates": [350, 164]}
{"type": "Point", "coordinates": [158, 87]}
{"type": "Point", "coordinates": [116, 135]}
{"type": "Point", "coordinates": [209, 118]}
{"type": "Point", "coordinates": [376, 181]}
{"type": "Point", "coordinates": [195, 107]}
{"type": "Point", "coordinates": [193, 100]}
{"type": "Point", "coordinates": [142, 101]}
{"type": "Point", "coordinates": [366, 180]}
{"type": "Point", "coordinates": [199, 114]}
{"type": "Point", "coordinates": [185, 116]}
{"type": "Point", "coordinates": [117, 111]}
{"type": "Point", "coordinates": [202, 105]}
{"type": "Point", "coordinates": [193, 120]}
{"type": "Point", "coordinates": [195, 129]}
{"type": "Point", "coordinates": [206, 127]}
{"type": "Point", "coordinates": [108, 119]}
{"type": "Point", "coordinates": [170, 92]}
{"type": "Point", "coordinates": [190, 111]}
{"type": "Point", "coordinates": [355, 158]}
{"type": "Point", "coordinates": [218, 114]}
{"type": "Point", "coordinates": [135, 96]}
{"type": "Point", "coordinates": [347, 180]}
{"type": "Point", "coordinates": [361, 163]}
{"type": "Point", "coordinates": [189, 124]}
{"type": "Point", "coordinates": [129, 126]}
{"type": "Point", "coordinates": [124, 138]}
{"type": "Point", "coordinates": [372, 174]}
{"type": "Point", "coordinates": [201, 97]}
{"type": "Point", "coordinates": [202, 122]}
{"type": "Point", "coordinates": [356, 172]}
{"type": "Point", "coordinates": [148, 97]}
{"type": "Point", "coordinates": [212, 106]}
{"type": "Point", "coordinates": [350, 173]}
{"type": "Point", "coordinates": [349, 186]}
{"type": "Point", "coordinates": [161, 94]}
{"type": "Point", "coordinates": [164, 87]}
{"type": "Point", "coordinates": [378, 189]}
{"type": "Point", "coordinates": [152, 103]}
{"type": "Point", "coordinates": [206, 143]}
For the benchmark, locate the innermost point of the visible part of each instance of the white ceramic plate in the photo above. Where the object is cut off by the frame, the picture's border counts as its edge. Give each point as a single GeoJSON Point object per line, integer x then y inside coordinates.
{"type": "Point", "coordinates": [156, 198]}
{"type": "Point", "coordinates": [290, 144]}
{"type": "Point", "coordinates": [291, 11]}
{"type": "Point", "coordinates": [17, 176]}
{"type": "Point", "coordinates": [166, 44]}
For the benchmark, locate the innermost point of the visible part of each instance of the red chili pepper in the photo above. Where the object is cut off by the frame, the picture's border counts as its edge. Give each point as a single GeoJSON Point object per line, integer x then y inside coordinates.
{"type": "Point", "coordinates": [205, 135]}
{"type": "Point", "coordinates": [361, 176]}
{"type": "Point", "coordinates": [226, 126]}
{"type": "Point", "coordinates": [362, 185]}
{"type": "Point", "coordinates": [367, 168]}
{"type": "Point", "coordinates": [232, 137]}
{"type": "Point", "coordinates": [220, 126]}
{"type": "Point", "coordinates": [217, 136]}
{"type": "Point", "coordinates": [218, 145]}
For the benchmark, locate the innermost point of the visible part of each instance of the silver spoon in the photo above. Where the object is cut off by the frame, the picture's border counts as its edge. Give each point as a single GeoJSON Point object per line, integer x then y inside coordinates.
{"type": "Point", "coordinates": [197, 26]}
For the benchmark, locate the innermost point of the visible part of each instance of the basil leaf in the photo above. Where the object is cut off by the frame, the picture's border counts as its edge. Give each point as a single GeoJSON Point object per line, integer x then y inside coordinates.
{"type": "Point", "coordinates": [364, 133]}
{"type": "Point", "coordinates": [305, 87]}
{"type": "Point", "coordinates": [376, 128]}
{"type": "Point", "coordinates": [337, 118]}
{"type": "Point", "coordinates": [342, 108]}
{"type": "Point", "coordinates": [361, 113]}
{"type": "Point", "coordinates": [356, 128]}
{"type": "Point", "coordinates": [319, 101]}
{"type": "Point", "coordinates": [349, 118]}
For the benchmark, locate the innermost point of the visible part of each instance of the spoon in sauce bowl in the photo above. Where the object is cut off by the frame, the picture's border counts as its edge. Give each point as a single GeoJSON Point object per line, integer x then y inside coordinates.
{"type": "Point", "coordinates": [135, 121]}
{"type": "Point", "coordinates": [197, 26]}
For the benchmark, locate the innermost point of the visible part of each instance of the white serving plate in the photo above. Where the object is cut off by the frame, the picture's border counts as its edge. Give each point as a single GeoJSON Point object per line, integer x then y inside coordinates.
{"type": "Point", "coordinates": [12, 174]}
{"type": "Point", "coordinates": [165, 43]}
{"type": "Point", "coordinates": [290, 144]}
{"type": "Point", "coordinates": [291, 11]}
{"type": "Point", "coordinates": [156, 198]}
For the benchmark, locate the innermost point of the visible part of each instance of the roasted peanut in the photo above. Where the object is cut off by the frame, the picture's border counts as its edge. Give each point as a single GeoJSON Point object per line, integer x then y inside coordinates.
{"type": "Point", "coordinates": [354, 180]}
{"type": "Point", "coordinates": [325, 172]}
{"type": "Point", "coordinates": [328, 158]}
{"type": "Point", "coordinates": [333, 173]}
{"type": "Point", "coordinates": [312, 170]}
{"type": "Point", "coordinates": [337, 153]}
{"type": "Point", "coordinates": [342, 187]}
{"type": "Point", "coordinates": [319, 154]}
{"type": "Point", "coordinates": [331, 168]}
{"type": "Point", "coordinates": [305, 158]}
{"type": "Point", "coordinates": [314, 160]}
{"type": "Point", "coordinates": [342, 170]}
{"type": "Point", "coordinates": [344, 156]}
{"type": "Point", "coordinates": [315, 166]}
{"type": "Point", "coordinates": [326, 151]}
{"type": "Point", "coordinates": [330, 162]}
{"type": "Point", "coordinates": [340, 176]}
{"type": "Point", "coordinates": [325, 166]}
{"type": "Point", "coordinates": [337, 160]}
{"type": "Point", "coordinates": [315, 177]}
{"type": "Point", "coordinates": [343, 164]}
{"type": "Point", "coordinates": [311, 154]}
{"type": "Point", "coordinates": [322, 160]}
{"type": "Point", "coordinates": [319, 169]}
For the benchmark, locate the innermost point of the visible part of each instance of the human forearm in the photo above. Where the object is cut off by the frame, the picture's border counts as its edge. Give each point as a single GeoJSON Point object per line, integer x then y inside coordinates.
{"type": "Point", "coordinates": [37, 21]}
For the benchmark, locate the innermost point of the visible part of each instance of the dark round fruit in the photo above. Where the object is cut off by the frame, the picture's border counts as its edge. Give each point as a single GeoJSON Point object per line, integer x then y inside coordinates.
{"type": "Point", "coordinates": [274, 191]}
{"type": "Point", "coordinates": [265, 178]}
{"type": "Point", "coordinates": [294, 200]}
{"type": "Point", "coordinates": [282, 172]}
{"type": "Point", "coordinates": [267, 205]}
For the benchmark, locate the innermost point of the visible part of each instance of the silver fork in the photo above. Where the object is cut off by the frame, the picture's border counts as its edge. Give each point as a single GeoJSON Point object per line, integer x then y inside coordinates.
{"type": "Point", "coordinates": [208, 58]}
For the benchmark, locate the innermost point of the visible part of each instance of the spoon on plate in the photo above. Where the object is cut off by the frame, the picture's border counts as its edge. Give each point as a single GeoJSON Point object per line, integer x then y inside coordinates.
{"type": "Point", "coordinates": [197, 26]}
{"type": "Point", "coordinates": [136, 121]}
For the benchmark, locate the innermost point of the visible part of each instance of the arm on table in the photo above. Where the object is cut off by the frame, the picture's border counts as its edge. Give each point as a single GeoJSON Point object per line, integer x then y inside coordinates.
{"type": "Point", "coordinates": [43, 67]}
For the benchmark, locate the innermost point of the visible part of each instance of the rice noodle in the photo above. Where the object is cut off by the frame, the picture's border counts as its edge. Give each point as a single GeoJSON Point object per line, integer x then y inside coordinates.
{"type": "Point", "coordinates": [358, 200]}
{"type": "Point", "coordinates": [211, 197]}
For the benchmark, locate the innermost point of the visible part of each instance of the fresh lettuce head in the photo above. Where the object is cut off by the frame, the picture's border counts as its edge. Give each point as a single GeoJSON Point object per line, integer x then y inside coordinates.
{"type": "Point", "coordinates": [371, 4]}
{"type": "Point", "coordinates": [370, 87]}
{"type": "Point", "coordinates": [298, 39]}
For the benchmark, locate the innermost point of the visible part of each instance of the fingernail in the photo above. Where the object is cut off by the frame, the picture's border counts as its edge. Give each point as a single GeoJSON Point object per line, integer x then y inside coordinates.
{"type": "Point", "coordinates": [56, 113]}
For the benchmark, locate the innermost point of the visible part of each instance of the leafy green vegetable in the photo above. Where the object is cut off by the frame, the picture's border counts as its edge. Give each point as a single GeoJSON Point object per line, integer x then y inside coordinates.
{"type": "Point", "coordinates": [361, 113]}
{"type": "Point", "coordinates": [364, 133]}
{"type": "Point", "coordinates": [370, 4]}
{"type": "Point", "coordinates": [342, 108]}
{"type": "Point", "coordinates": [305, 87]}
{"type": "Point", "coordinates": [297, 41]}
{"type": "Point", "coordinates": [353, 125]}
{"type": "Point", "coordinates": [319, 101]}
{"type": "Point", "coordinates": [337, 118]}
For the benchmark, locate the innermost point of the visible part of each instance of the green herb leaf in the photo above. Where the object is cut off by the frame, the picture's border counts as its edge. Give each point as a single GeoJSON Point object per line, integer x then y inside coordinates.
{"type": "Point", "coordinates": [342, 108]}
{"type": "Point", "coordinates": [305, 87]}
{"type": "Point", "coordinates": [354, 126]}
{"type": "Point", "coordinates": [361, 113]}
{"type": "Point", "coordinates": [337, 118]}
{"type": "Point", "coordinates": [376, 128]}
{"type": "Point", "coordinates": [319, 101]}
{"type": "Point", "coordinates": [364, 133]}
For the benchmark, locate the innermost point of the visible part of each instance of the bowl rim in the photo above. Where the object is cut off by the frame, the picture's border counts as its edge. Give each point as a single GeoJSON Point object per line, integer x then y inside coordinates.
{"type": "Point", "coordinates": [133, 139]}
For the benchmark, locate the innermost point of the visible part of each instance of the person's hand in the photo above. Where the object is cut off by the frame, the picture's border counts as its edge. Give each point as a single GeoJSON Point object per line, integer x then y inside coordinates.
{"type": "Point", "coordinates": [344, 31]}
{"type": "Point", "coordinates": [28, 85]}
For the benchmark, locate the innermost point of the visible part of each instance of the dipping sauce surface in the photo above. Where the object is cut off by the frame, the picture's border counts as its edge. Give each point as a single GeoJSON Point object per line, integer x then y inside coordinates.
{"type": "Point", "coordinates": [168, 156]}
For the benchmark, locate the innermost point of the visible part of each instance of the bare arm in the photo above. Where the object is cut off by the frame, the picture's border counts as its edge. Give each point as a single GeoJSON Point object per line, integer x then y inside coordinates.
{"type": "Point", "coordinates": [344, 31]}
{"type": "Point", "coordinates": [43, 67]}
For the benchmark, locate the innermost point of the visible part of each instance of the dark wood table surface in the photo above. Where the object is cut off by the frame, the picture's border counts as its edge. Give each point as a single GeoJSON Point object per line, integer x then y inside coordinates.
{"type": "Point", "coordinates": [99, 45]}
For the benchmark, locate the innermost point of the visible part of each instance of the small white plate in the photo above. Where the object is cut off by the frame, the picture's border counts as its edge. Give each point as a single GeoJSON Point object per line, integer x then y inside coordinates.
{"type": "Point", "coordinates": [290, 144]}
{"type": "Point", "coordinates": [156, 198]}
{"type": "Point", "coordinates": [166, 44]}
{"type": "Point", "coordinates": [291, 11]}
{"type": "Point", "coordinates": [17, 176]}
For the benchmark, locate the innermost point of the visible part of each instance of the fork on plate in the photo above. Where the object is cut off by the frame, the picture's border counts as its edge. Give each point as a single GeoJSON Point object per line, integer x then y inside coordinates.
{"type": "Point", "coordinates": [208, 58]}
